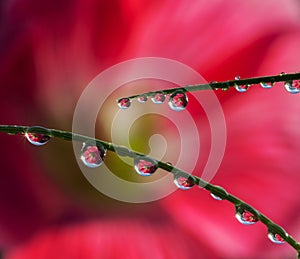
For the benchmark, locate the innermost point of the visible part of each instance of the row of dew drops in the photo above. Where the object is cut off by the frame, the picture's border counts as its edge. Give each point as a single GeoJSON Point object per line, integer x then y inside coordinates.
{"type": "Point", "coordinates": [93, 156]}
{"type": "Point", "coordinates": [178, 100]}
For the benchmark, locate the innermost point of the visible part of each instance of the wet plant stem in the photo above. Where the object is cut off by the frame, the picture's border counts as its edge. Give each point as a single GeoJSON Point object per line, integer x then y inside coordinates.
{"type": "Point", "coordinates": [225, 85]}
{"type": "Point", "coordinates": [124, 151]}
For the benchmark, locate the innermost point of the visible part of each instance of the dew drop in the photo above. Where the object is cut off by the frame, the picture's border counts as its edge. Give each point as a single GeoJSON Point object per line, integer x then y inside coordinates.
{"type": "Point", "coordinates": [292, 87]}
{"type": "Point", "coordinates": [142, 98]}
{"type": "Point", "coordinates": [178, 101]}
{"type": "Point", "coordinates": [275, 238]}
{"type": "Point", "coordinates": [37, 139]}
{"type": "Point", "coordinates": [183, 183]}
{"type": "Point", "coordinates": [124, 103]}
{"type": "Point", "coordinates": [158, 98]}
{"type": "Point", "coordinates": [92, 155]}
{"type": "Point", "coordinates": [145, 166]}
{"type": "Point", "coordinates": [240, 88]}
{"type": "Point", "coordinates": [215, 197]}
{"type": "Point", "coordinates": [266, 85]}
{"type": "Point", "coordinates": [244, 216]}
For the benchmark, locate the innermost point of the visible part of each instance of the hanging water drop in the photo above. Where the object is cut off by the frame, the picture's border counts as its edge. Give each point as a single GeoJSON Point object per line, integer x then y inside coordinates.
{"type": "Point", "coordinates": [245, 216]}
{"type": "Point", "coordinates": [145, 166]}
{"type": "Point", "coordinates": [158, 98]}
{"type": "Point", "coordinates": [266, 85]}
{"type": "Point", "coordinates": [142, 98]}
{"type": "Point", "coordinates": [92, 155]}
{"type": "Point", "coordinates": [275, 238]}
{"type": "Point", "coordinates": [178, 101]}
{"type": "Point", "coordinates": [183, 182]}
{"type": "Point", "coordinates": [240, 88]}
{"type": "Point", "coordinates": [215, 197]}
{"type": "Point", "coordinates": [37, 139]}
{"type": "Point", "coordinates": [124, 103]}
{"type": "Point", "coordinates": [292, 87]}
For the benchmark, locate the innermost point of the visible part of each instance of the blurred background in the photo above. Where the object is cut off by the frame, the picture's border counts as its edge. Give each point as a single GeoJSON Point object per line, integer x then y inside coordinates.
{"type": "Point", "coordinates": [51, 50]}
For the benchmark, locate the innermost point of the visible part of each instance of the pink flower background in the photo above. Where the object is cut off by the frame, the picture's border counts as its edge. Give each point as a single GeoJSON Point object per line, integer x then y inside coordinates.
{"type": "Point", "coordinates": [50, 50]}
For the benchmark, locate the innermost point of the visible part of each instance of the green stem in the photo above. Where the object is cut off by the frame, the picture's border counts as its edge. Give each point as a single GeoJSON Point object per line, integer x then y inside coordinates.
{"type": "Point", "coordinates": [124, 151]}
{"type": "Point", "coordinates": [226, 84]}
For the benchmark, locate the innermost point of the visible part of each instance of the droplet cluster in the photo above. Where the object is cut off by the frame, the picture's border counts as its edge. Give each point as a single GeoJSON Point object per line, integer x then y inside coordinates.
{"type": "Point", "coordinates": [178, 100]}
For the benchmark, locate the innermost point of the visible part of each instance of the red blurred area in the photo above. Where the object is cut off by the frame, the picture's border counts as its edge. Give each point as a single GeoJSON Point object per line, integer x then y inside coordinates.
{"type": "Point", "coordinates": [50, 50]}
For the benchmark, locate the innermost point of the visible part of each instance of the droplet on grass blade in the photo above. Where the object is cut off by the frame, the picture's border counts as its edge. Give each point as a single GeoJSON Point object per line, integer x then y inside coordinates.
{"type": "Point", "coordinates": [183, 182]}
{"type": "Point", "coordinates": [37, 139]}
{"type": "Point", "coordinates": [178, 101]}
{"type": "Point", "coordinates": [145, 166]}
{"type": "Point", "coordinates": [124, 103]}
{"type": "Point", "coordinates": [92, 155]}
{"type": "Point", "coordinates": [244, 216]}
{"type": "Point", "coordinates": [275, 238]}
{"type": "Point", "coordinates": [292, 87]}
{"type": "Point", "coordinates": [158, 98]}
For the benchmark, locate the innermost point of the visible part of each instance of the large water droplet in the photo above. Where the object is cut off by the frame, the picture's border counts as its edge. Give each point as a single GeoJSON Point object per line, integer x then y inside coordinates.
{"type": "Point", "coordinates": [178, 101]}
{"type": "Point", "coordinates": [145, 166]}
{"type": "Point", "coordinates": [158, 98]}
{"type": "Point", "coordinates": [37, 139]}
{"type": "Point", "coordinates": [215, 197]}
{"type": "Point", "coordinates": [92, 155]}
{"type": "Point", "coordinates": [124, 103]}
{"type": "Point", "coordinates": [240, 88]}
{"type": "Point", "coordinates": [266, 85]}
{"type": "Point", "coordinates": [245, 216]}
{"type": "Point", "coordinates": [275, 238]}
{"type": "Point", "coordinates": [183, 182]}
{"type": "Point", "coordinates": [142, 98]}
{"type": "Point", "coordinates": [292, 87]}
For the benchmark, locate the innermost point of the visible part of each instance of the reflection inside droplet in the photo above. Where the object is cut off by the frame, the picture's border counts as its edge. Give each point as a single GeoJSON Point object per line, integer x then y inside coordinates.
{"type": "Point", "coordinates": [178, 101]}
{"type": "Point", "coordinates": [37, 139]}
{"type": "Point", "coordinates": [92, 155]}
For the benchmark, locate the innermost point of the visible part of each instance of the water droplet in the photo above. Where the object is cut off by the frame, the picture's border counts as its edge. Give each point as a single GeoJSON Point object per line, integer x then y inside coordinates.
{"type": "Point", "coordinates": [158, 98]}
{"type": "Point", "coordinates": [240, 88]}
{"type": "Point", "coordinates": [245, 216]}
{"type": "Point", "coordinates": [145, 166]}
{"type": "Point", "coordinates": [124, 103]}
{"type": "Point", "coordinates": [215, 197]}
{"type": "Point", "coordinates": [178, 101]}
{"type": "Point", "coordinates": [92, 155]}
{"type": "Point", "coordinates": [183, 183]}
{"type": "Point", "coordinates": [292, 87]}
{"type": "Point", "coordinates": [275, 238]}
{"type": "Point", "coordinates": [37, 139]}
{"type": "Point", "coordinates": [142, 98]}
{"type": "Point", "coordinates": [266, 85]}
{"type": "Point", "coordinates": [282, 73]}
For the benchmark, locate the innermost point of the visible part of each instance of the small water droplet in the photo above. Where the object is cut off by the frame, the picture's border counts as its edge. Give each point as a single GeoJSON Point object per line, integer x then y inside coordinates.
{"type": "Point", "coordinates": [144, 166]}
{"type": "Point", "coordinates": [124, 103]}
{"type": "Point", "coordinates": [282, 73]}
{"type": "Point", "coordinates": [178, 101]}
{"type": "Point", "coordinates": [158, 98]}
{"type": "Point", "coordinates": [183, 183]}
{"type": "Point", "coordinates": [240, 88]}
{"type": "Point", "coordinates": [37, 139]}
{"type": "Point", "coordinates": [245, 216]}
{"type": "Point", "coordinates": [92, 155]}
{"type": "Point", "coordinates": [142, 98]}
{"type": "Point", "coordinates": [275, 238]}
{"type": "Point", "coordinates": [266, 85]}
{"type": "Point", "coordinates": [292, 87]}
{"type": "Point", "coordinates": [215, 197]}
